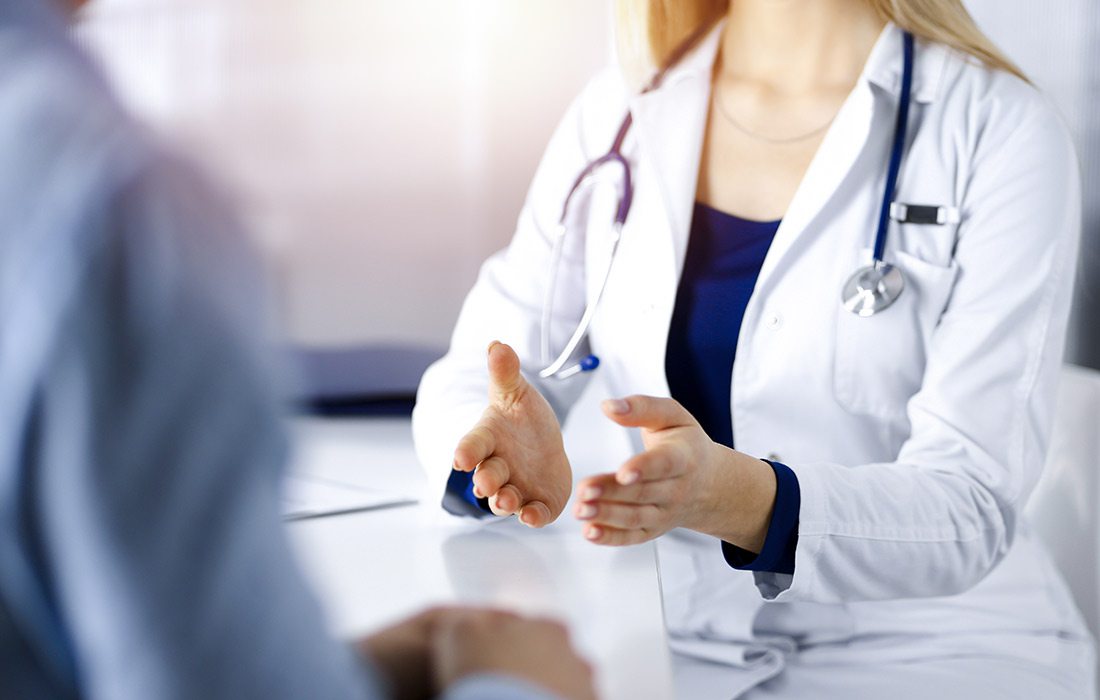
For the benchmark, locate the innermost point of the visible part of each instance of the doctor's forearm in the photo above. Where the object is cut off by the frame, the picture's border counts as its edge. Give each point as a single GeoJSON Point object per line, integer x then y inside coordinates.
{"type": "Point", "coordinates": [736, 507]}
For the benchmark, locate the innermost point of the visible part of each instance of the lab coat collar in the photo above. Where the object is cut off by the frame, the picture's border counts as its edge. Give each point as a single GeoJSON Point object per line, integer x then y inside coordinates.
{"type": "Point", "coordinates": [699, 61]}
{"type": "Point", "coordinates": [883, 67]}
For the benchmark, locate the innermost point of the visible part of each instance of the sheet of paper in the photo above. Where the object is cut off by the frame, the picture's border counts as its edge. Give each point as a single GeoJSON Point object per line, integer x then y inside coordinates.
{"type": "Point", "coordinates": [311, 495]}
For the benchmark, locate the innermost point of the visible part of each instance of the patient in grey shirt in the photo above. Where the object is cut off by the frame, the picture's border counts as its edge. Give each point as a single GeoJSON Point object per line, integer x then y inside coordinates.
{"type": "Point", "coordinates": [141, 549]}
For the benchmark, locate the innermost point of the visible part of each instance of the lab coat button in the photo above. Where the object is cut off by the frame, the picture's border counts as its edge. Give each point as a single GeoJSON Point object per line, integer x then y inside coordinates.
{"type": "Point", "coordinates": [774, 322]}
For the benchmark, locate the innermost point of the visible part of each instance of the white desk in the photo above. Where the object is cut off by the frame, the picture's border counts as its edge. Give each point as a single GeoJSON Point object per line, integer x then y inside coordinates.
{"type": "Point", "coordinates": [374, 567]}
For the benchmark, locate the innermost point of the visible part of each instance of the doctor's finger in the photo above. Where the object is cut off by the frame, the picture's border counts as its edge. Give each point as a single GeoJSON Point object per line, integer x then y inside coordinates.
{"type": "Point", "coordinates": [650, 412]}
{"type": "Point", "coordinates": [474, 447]}
{"type": "Point", "coordinates": [627, 516]}
{"type": "Point", "coordinates": [505, 379]}
{"type": "Point", "coordinates": [506, 501]}
{"type": "Point", "coordinates": [666, 461]}
{"type": "Point", "coordinates": [605, 487]}
{"type": "Point", "coordinates": [490, 476]}
{"type": "Point", "coordinates": [535, 514]}
{"type": "Point", "coordinates": [614, 537]}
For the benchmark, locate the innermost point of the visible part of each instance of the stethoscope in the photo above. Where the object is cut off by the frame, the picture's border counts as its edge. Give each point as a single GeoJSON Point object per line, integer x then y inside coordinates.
{"type": "Point", "coordinates": [868, 291]}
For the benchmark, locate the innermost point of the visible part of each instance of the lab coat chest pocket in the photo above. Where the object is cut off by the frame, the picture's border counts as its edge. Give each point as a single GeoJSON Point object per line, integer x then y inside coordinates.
{"type": "Point", "coordinates": [880, 359]}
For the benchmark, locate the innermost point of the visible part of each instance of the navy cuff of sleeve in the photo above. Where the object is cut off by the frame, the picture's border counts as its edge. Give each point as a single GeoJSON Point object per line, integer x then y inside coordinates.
{"type": "Point", "coordinates": [459, 498]}
{"type": "Point", "coordinates": [777, 555]}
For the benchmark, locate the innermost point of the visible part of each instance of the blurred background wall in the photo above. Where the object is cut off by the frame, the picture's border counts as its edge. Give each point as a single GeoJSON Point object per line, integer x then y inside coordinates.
{"type": "Point", "coordinates": [381, 150]}
{"type": "Point", "coordinates": [1058, 45]}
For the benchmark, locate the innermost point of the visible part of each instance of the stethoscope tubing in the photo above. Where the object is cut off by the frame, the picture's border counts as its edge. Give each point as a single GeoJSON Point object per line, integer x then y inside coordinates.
{"type": "Point", "coordinates": [901, 130]}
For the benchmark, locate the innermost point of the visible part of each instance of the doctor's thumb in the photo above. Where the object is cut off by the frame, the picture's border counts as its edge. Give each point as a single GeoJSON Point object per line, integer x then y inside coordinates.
{"type": "Point", "coordinates": [647, 412]}
{"type": "Point", "coordinates": [504, 376]}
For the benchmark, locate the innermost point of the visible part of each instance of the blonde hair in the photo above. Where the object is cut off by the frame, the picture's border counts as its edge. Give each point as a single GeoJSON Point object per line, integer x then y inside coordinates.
{"type": "Point", "coordinates": [653, 29]}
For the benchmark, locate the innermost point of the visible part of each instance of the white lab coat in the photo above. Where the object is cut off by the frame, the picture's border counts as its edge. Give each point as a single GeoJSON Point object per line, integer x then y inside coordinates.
{"type": "Point", "coordinates": [916, 434]}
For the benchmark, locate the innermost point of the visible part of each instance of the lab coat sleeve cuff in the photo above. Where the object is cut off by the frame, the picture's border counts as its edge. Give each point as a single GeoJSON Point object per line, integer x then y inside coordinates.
{"type": "Point", "coordinates": [778, 553]}
{"type": "Point", "coordinates": [440, 419]}
{"type": "Point", "coordinates": [496, 687]}
{"type": "Point", "coordinates": [459, 498]}
{"type": "Point", "coordinates": [810, 534]}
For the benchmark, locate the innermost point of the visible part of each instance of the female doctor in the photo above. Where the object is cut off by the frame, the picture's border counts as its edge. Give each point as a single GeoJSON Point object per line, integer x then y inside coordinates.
{"type": "Point", "coordinates": [828, 262]}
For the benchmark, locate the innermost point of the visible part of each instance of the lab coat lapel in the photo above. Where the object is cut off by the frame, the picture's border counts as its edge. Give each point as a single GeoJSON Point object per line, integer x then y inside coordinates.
{"type": "Point", "coordinates": [669, 125]}
{"type": "Point", "coordinates": [665, 145]}
{"type": "Point", "coordinates": [848, 137]}
{"type": "Point", "coordinates": [834, 159]}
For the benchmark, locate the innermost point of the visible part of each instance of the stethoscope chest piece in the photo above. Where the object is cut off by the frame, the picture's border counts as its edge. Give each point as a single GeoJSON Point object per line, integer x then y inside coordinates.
{"type": "Point", "coordinates": [872, 289]}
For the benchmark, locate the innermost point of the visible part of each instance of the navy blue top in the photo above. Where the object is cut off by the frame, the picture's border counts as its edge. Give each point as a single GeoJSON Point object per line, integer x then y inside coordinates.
{"type": "Point", "coordinates": [723, 260]}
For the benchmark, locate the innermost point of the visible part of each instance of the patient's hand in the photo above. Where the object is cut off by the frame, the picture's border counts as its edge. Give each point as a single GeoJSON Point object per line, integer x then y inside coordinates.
{"type": "Point", "coordinates": [423, 655]}
{"type": "Point", "coordinates": [516, 447]}
{"type": "Point", "coordinates": [402, 653]}
{"type": "Point", "coordinates": [538, 651]}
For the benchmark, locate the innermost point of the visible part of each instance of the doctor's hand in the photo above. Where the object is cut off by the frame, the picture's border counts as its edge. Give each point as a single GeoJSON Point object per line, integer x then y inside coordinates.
{"type": "Point", "coordinates": [516, 449]}
{"type": "Point", "coordinates": [682, 479]}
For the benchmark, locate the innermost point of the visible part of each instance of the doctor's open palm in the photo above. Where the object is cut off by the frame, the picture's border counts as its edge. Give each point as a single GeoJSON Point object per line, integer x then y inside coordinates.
{"type": "Point", "coordinates": [516, 449]}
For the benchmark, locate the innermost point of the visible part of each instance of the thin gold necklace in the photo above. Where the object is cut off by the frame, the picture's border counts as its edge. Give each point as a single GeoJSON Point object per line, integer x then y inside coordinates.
{"type": "Point", "coordinates": [761, 137]}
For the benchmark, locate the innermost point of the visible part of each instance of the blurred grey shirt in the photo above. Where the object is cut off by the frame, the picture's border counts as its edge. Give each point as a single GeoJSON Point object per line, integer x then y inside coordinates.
{"type": "Point", "coordinates": [141, 549]}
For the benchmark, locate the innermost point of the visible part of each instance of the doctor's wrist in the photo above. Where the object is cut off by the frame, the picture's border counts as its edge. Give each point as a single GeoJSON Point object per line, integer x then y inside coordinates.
{"type": "Point", "coordinates": [737, 499]}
